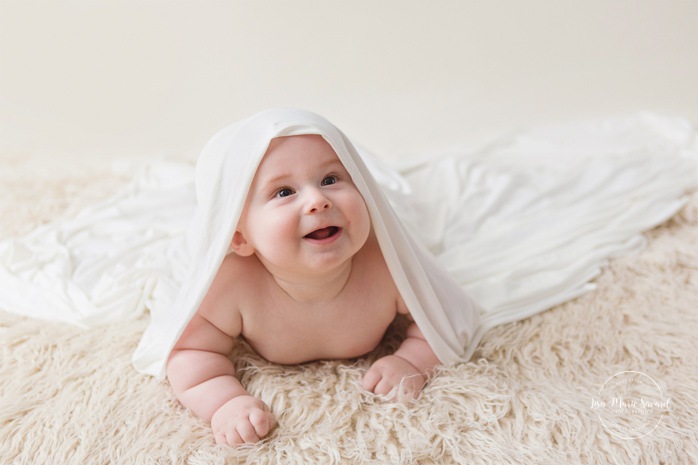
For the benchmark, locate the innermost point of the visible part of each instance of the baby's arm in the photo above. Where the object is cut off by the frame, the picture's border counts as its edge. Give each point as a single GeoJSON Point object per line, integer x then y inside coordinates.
{"type": "Point", "coordinates": [409, 365]}
{"type": "Point", "coordinates": [417, 351]}
{"type": "Point", "coordinates": [203, 377]}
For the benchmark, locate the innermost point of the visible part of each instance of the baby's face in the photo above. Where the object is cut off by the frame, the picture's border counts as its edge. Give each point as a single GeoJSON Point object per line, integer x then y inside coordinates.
{"type": "Point", "coordinates": [303, 213]}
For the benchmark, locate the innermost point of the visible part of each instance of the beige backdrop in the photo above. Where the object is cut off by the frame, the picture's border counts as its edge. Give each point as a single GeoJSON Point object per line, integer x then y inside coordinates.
{"type": "Point", "coordinates": [142, 77]}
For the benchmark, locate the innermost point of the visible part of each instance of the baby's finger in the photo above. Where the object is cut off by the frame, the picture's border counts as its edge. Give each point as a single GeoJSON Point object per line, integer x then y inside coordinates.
{"type": "Point", "coordinates": [232, 439]}
{"type": "Point", "coordinates": [260, 422]}
{"type": "Point", "coordinates": [371, 379]}
{"type": "Point", "coordinates": [247, 432]}
{"type": "Point", "coordinates": [384, 387]}
{"type": "Point", "coordinates": [221, 439]}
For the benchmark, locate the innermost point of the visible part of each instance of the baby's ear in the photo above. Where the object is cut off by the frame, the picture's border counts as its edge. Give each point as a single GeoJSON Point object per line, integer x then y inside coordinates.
{"type": "Point", "coordinates": [240, 245]}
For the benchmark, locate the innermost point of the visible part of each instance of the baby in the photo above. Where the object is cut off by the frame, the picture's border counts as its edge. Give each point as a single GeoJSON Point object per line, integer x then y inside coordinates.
{"type": "Point", "coordinates": [310, 282]}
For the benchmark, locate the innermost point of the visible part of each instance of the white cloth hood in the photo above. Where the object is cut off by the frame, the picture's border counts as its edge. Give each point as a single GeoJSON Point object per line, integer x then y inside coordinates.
{"type": "Point", "coordinates": [224, 173]}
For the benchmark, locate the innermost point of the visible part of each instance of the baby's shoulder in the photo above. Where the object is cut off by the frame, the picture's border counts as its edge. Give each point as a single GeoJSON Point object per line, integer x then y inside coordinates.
{"type": "Point", "coordinates": [239, 274]}
{"type": "Point", "coordinates": [232, 286]}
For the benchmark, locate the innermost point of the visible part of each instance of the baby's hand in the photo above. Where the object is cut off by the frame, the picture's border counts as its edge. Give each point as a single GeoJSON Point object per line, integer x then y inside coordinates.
{"type": "Point", "coordinates": [386, 373]}
{"type": "Point", "coordinates": [243, 419]}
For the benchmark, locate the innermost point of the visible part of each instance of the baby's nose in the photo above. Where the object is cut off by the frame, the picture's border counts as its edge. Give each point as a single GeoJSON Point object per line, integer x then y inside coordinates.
{"type": "Point", "coordinates": [317, 201]}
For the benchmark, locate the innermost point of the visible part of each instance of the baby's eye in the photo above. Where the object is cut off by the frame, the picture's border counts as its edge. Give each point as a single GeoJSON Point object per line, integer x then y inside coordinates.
{"type": "Point", "coordinates": [329, 180]}
{"type": "Point", "coordinates": [284, 192]}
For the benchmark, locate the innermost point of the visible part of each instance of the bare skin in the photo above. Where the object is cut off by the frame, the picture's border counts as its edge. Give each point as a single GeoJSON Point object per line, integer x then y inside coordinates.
{"type": "Point", "coordinates": [307, 282]}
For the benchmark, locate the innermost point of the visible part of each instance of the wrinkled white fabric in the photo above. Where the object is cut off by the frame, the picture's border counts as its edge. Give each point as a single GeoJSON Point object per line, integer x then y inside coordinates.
{"type": "Point", "coordinates": [518, 227]}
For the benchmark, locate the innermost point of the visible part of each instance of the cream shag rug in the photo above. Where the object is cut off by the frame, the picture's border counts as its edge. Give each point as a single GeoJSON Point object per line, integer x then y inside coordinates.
{"type": "Point", "coordinates": [532, 394]}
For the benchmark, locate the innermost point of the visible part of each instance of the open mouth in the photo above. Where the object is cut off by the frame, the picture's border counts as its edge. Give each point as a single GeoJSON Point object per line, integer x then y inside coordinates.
{"type": "Point", "coordinates": [323, 233]}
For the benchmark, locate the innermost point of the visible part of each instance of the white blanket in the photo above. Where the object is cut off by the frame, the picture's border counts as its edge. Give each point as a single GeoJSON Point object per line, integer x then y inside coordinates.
{"type": "Point", "coordinates": [517, 227]}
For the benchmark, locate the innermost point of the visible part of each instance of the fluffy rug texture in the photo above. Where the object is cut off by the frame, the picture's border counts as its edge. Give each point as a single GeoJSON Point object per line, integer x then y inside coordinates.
{"type": "Point", "coordinates": [533, 393]}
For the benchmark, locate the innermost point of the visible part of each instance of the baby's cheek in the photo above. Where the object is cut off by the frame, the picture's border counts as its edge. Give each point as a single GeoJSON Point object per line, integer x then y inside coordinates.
{"type": "Point", "coordinates": [272, 231]}
{"type": "Point", "coordinates": [364, 222]}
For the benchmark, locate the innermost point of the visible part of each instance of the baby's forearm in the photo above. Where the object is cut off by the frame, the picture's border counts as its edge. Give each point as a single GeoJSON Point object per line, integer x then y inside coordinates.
{"type": "Point", "coordinates": [416, 350]}
{"type": "Point", "coordinates": [203, 381]}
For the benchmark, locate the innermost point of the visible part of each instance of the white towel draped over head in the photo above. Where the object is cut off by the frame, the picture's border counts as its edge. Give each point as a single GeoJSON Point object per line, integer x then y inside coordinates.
{"type": "Point", "coordinates": [224, 173]}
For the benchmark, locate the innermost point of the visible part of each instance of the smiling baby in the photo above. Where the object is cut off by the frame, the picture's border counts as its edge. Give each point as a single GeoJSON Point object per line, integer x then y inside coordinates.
{"type": "Point", "coordinates": [307, 281]}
